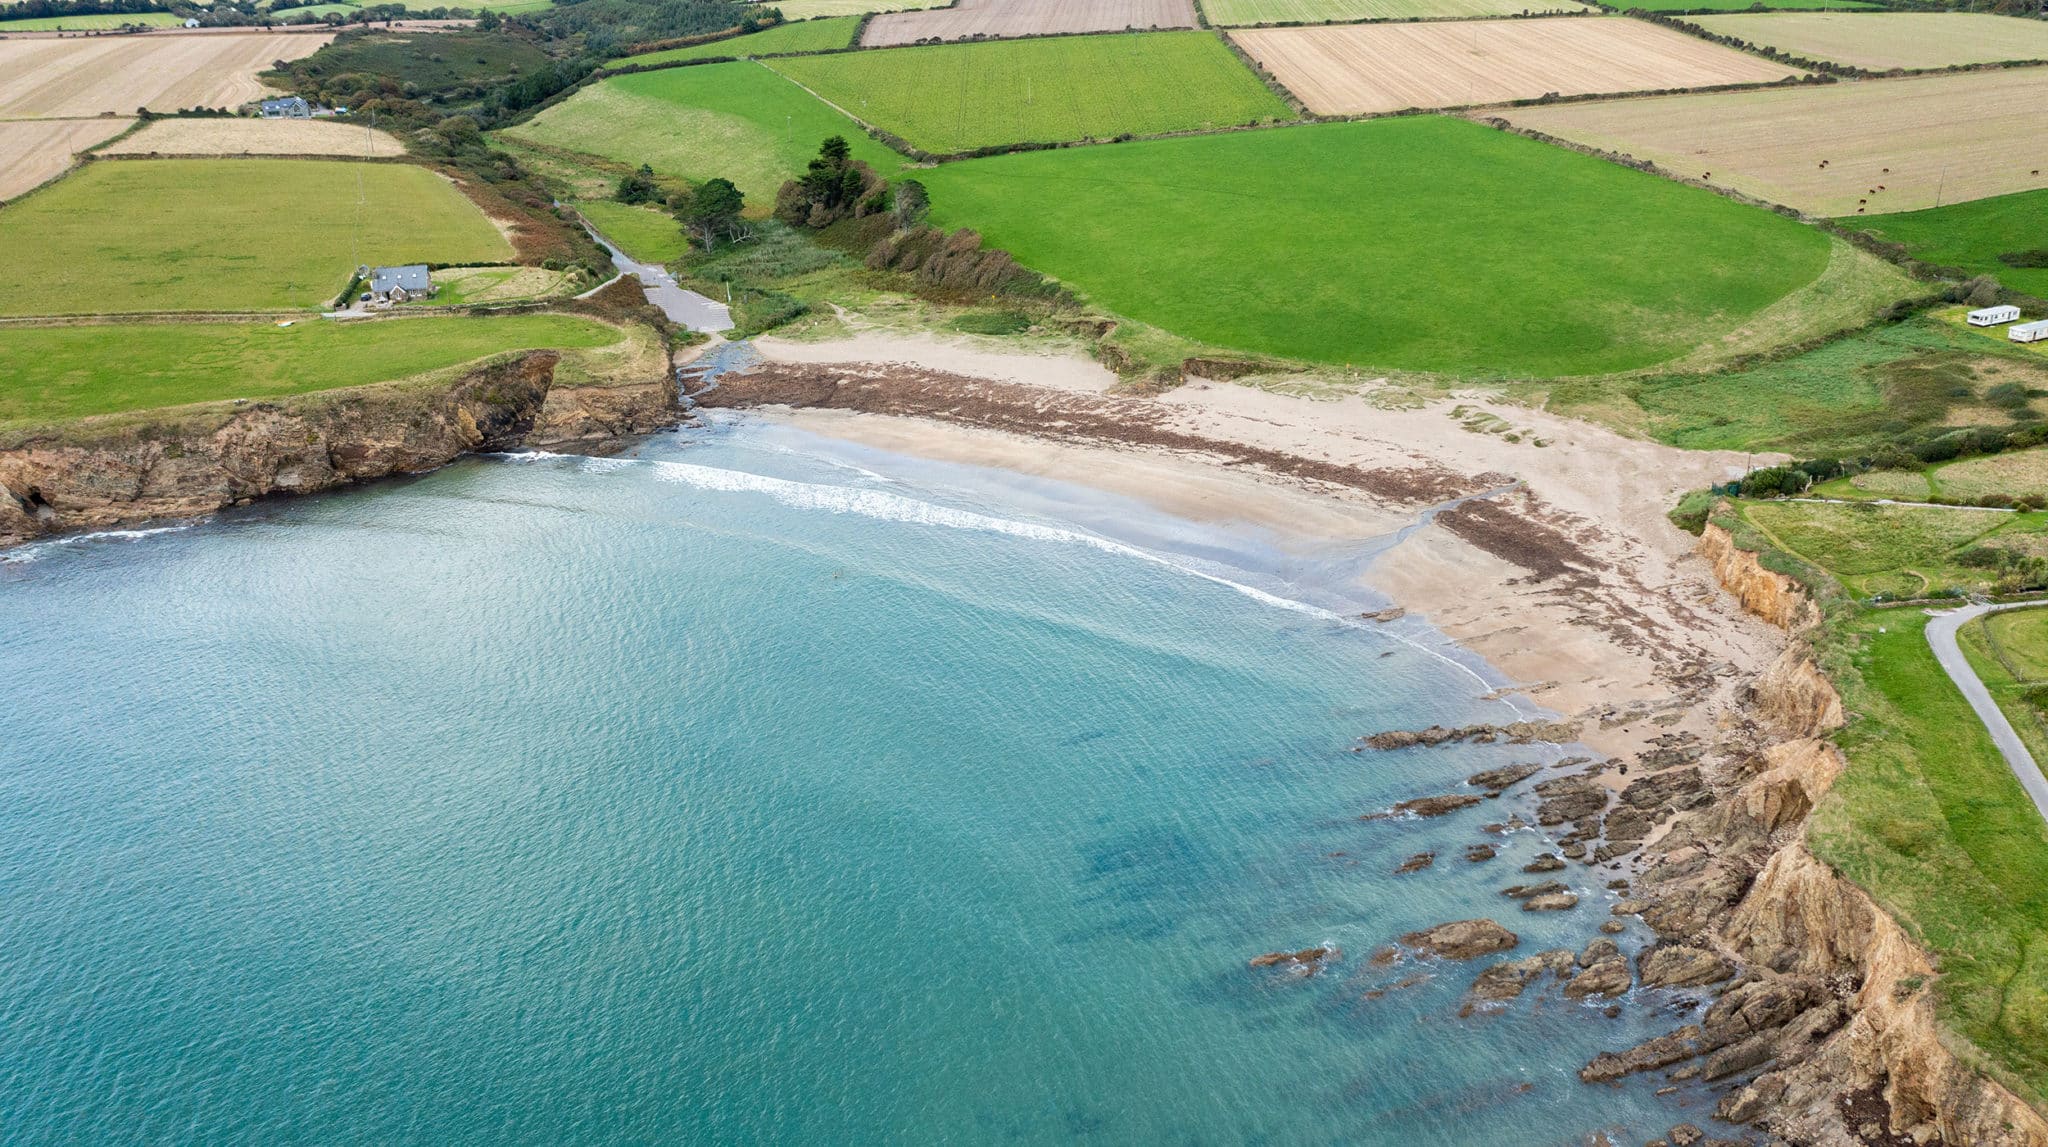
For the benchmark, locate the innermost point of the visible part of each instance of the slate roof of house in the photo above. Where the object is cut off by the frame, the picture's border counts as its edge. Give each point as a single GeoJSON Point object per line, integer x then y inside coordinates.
{"type": "Point", "coordinates": [287, 104]}
{"type": "Point", "coordinates": [413, 277]}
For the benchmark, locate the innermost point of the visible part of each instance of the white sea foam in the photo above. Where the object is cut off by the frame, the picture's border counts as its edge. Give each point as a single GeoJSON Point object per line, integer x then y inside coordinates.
{"type": "Point", "coordinates": [887, 506]}
{"type": "Point", "coordinates": [25, 554]}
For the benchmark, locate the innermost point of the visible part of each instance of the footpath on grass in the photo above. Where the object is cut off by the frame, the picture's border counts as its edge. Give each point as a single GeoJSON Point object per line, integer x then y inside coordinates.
{"type": "Point", "coordinates": [1941, 634]}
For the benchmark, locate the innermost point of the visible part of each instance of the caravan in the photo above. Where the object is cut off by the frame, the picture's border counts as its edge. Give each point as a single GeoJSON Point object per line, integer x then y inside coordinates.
{"type": "Point", "coordinates": [1993, 316]}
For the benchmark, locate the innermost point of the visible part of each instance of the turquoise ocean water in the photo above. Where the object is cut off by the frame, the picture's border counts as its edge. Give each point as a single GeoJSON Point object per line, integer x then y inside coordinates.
{"type": "Point", "coordinates": [754, 788]}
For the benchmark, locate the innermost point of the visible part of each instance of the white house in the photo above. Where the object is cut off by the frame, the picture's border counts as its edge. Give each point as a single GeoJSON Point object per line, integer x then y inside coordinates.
{"type": "Point", "coordinates": [1993, 316]}
{"type": "Point", "coordinates": [2028, 332]}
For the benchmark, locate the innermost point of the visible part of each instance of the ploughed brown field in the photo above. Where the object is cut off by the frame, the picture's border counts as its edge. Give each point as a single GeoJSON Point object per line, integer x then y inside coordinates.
{"type": "Point", "coordinates": [1869, 145]}
{"type": "Point", "coordinates": [998, 18]}
{"type": "Point", "coordinates": [1362, 68]}
{"type": "Point", "coordinates": [87, 76]}
{"type": "Point", "coordinates": [257, 137]}
{"type": "Point", "coordinates": [1881, 41]}
{"type": "Point", "coordinates": [35, 150]}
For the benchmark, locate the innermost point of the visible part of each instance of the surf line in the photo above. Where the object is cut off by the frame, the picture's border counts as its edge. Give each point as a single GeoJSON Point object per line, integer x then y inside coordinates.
{"type": "Point", "coordinates": [887, 506]}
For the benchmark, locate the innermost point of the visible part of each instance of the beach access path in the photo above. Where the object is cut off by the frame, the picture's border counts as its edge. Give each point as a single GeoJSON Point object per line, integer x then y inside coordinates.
{"type": "Point", "coordinates": [680, 304]}
{"type": "Point", "coordinates": [1941, 634]}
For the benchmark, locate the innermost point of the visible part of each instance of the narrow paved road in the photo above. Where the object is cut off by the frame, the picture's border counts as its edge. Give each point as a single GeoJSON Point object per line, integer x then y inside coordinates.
{"type": "Point", "coordinates": [680, 304]}
{"type": "Point", "coordinates": [1941, 634]}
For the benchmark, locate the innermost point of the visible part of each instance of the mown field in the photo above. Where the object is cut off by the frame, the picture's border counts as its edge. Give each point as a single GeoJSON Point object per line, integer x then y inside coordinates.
{"type": "Point", "coordinates": [1360, 68]}
{"type": "Point", "coordinates": [1735, 5]}
{"type": "Point", "coordinates": [1424, 243]}
{"type": "Point", "coordinates": [91, 23]}
{"type": "Point", "coordinates": [799, 36]}
{"type": "Point", "coordinates": [35, 150]}
{"type": "Point", "coordinates": [1238, 13]}
{"type": "Point", "coordinates": [1931, 822]}
{"type": "Point", "coordinates": [646, 234]}
{"type": "Point", "coordinates": [53, 373]}
{"type": "Point", "coordinates": [1881, 41]}
{"type": "Point", "coordinates": [245, 136]}
{"type": "Point", "coordinates": [1843, 398]}
{"type": "Point", "coordinates": [1870, 147]}
{"type": "Point", "coordinates": [994, 19]}
{"type": "Point", "coordinates": [228, 234]}
{"type": "Point", "coordinates": [737, 121]}
{"type": "Point", "coordinates": [957, 97]}
{"type": "Point", "coordinates": [88, 75]}
{"type": "Point", "coordinates": [1973, 235]}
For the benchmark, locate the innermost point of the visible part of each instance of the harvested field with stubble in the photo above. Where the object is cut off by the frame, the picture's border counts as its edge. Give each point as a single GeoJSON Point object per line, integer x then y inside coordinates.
{"type": "Point", "coordinates": [1364, 68]}
{"type": "Point", "coordinates": [1881, 41]}
{"type": "Point", "coordinates": [37, 150]}
{"type": "Point", "coordinates": [162, 72]}
{"type": "Point", "coordinates": [995, 19]}
{"type": "Point", "coordinates": [257, 137]}
{"type": "Point", "coordinates": [1238, 13]}
{"type": "Point", "coordinates": [1867, 147]}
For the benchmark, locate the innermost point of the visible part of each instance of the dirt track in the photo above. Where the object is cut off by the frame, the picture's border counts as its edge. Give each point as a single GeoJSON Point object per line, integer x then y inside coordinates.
{"type": "Point", "coordinates": [88, 76]}
{"type": "Point", "coordinates": [1888, 145]}
{"type": "Point", "coordinates": [32, 151]}
{"type": "Point", "coordinates": [999, 18]}
{"type": "Point", "coordinates": [1355, 69]}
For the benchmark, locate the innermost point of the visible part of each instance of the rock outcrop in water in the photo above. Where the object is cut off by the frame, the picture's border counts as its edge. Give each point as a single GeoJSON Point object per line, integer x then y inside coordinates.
{"type": "Point", "coordinates": [1461, 939]}
{"type": "Point", "coordinates": [1514, 733]}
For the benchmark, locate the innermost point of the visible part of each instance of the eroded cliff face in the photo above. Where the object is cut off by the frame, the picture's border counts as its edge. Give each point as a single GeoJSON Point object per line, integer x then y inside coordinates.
{"type": "Point", "coordinates": [1848, 1049]}
{"type": "Point", "coordinates": [1772, 596]}
{"type": "Point", "coordinates": [194, 460]}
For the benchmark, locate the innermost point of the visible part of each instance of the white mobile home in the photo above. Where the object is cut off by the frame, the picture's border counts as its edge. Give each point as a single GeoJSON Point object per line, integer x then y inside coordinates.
{"type": "Point", "coordinates": [2028, 332]}
{"type": "Point", "coordinates": [1993, 316]}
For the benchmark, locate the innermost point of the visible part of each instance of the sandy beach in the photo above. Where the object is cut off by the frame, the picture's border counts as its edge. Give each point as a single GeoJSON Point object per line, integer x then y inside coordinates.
{"type": "Point", "coordinates": [1573, 583]}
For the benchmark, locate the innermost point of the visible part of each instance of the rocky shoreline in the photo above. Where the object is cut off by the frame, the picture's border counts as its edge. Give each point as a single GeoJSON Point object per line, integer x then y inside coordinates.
{"type": "Point", "coordinates": [1818, 1026]}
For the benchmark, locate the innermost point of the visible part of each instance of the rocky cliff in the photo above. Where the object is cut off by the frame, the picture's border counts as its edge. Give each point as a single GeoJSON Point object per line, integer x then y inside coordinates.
{"type": "Point", "coordinates": [1829, 1031]}
{"type": "Point", "coordinates": [192, 460]}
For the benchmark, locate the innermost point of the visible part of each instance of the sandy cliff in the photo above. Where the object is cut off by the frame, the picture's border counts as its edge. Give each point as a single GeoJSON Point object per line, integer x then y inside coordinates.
{"type": "Point", "coordinates": [1860, 1060]}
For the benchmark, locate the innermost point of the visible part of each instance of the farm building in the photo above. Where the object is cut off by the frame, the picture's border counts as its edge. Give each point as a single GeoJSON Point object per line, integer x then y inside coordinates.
{"type": "Point", "coordinates": [290, 107]}
{"type": "Point", "coordinates": [2028, 332]}
{"type": "Point", "coordinates": [399, 284]}
{"type": "Point", "coordinates": [1992, 316]}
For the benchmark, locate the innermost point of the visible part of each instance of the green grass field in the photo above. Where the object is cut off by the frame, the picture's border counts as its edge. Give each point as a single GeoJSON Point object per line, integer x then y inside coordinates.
{"type": "Point", "coordinates": [2019, 642]}
{"type": "Point", "coordinates": [800, 36]}
{"type": "Point", "coordinates": [2015, 473]}
{"type": "Point", "coordinates": [647, 234]}
{"type": "Point", "coordinates": [738, 121]}
{"type": "Point", "coordinates": [87, 23]}
{"type": "Point", "coordinates": [1973, 235]}
{"type": "Point", "coordinates": [54, 373]}
{"type": "Point", "coordinates": [951, 98]}
{"type": "Point", "coordinates": [1930, 821]}
{"type": "Point", "coordinates": [1424, 243]}
{"type": "Point", "coordinates": [1238, 13]}
{"type": "Point", "coordinates": [228, 234]}
{"type": "Point", "coordinates": [1843, 398]}
{"type": "Point", "coordinates": [1735, 5]}
{"type": "Point", "coordinates": [1896, 551]}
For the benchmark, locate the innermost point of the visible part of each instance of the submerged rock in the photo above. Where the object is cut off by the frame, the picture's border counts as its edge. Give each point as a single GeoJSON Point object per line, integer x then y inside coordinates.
{"type": "Point", "coordinates": [1524, 891]}
{"type": "Point", "coordinates": [1304, 963]}
{"type": "Point", "coordinates": [1519, 732]}
{"type": "Point", "coordinates": [1501, 779]}
{"type": "Point", "coordinates": [1462, 939]}
{"type": "Point", "coordinates": [1416, 863]}
{"type": "Point", "coordinates": [1478, 852]}
{"type": "Point", "coordinates": [1427, 806]}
